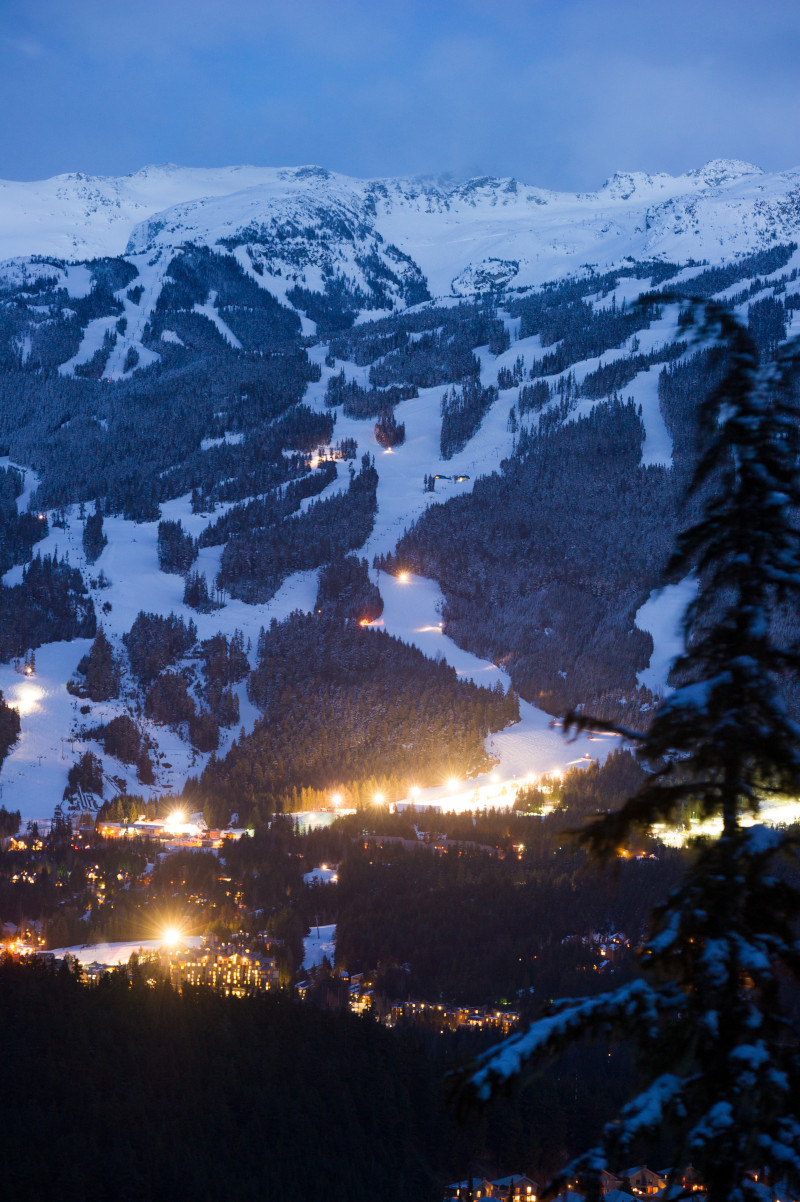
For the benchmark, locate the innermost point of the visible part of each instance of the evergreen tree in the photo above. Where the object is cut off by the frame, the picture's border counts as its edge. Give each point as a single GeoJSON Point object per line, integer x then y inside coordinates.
{"type": "Point", "coordinates": [9, 727]}
{"type": "Point", "coordinates": [9, 822]}
{"type": "Point", "coordinates": [177, 550]}
{"type": "Point", "coordinates": [93, 537]}
{"type": "Point", "coordinates": [102, 674]}
{"type": "Point", "coordinates": [197, 596]}
{"type": "Point", "coordinates": [710, 1013]}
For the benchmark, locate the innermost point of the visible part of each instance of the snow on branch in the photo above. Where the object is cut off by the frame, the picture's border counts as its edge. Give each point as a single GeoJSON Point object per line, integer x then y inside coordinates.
{"type": "Point", "coordinates": [548, 1035]}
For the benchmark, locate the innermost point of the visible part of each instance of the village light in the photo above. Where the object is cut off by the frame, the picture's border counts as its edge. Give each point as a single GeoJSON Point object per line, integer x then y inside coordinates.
{"type": "Point", "coordinates": [171, 937]}
{"type": "Point", "coordinates": [379, 799]}
{"type": "Point", "coordinates": [336, 798]}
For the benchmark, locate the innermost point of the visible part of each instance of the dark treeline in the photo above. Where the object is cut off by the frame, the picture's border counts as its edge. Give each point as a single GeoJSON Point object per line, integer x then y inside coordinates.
{"type": "Point", "coordinates": [346, 591]}
{"type": "Point", "coordinates": [475, 929]}
{"type": "Point", "coordinates": [341, 703]}
{"type": "Point", "coordinates": [198, 1096]}
{"type": "Point", "coordinates": [578, 330]}
{"type": "Point", "coordinates": [388, 431]}
{"type": "Point", "coordinates": [462, 414]}
{"type": "Point", "coordinates": [766, 320]}
{"type": "Point", "coordinates": [177, 550]}
{"type": "Point", "coordinates": [255, 563]}
{"type": "Point", "coordinates": [9, 730]}
{"type": "Point", "coordinates": [51, 603]}
{"type": "Point", "coordinates": [209, 1097]}
{"type": "Point", "coordinates": [610, 377]}
{"type": "Point", "coordinates": [557, 610]}
{"type": "Point", "coordinates": [267, 511]}
{"type": "Point", "coordinates": [716, 279]}
{"type": "Point", "coordinates": [19, 532]}
{"type": "Point", "coordinates": [153, 642]}
{"type": "Point", "coordinates": [451, 333]}
{"type": "Point", "coordinates": [508, 912]}
{"type": "Point", "coordinates": [260, 462]}
{"type": "Point", "coordinates": [93, 537]}
{"type": "Point", "coordinates": [679, 386]}
{"type": "Point", "coordinates": [137, 442]}
{"type": "Point", "coordinates": [98, 675]}
{"type": "Point", "coordinates": [361, 402]}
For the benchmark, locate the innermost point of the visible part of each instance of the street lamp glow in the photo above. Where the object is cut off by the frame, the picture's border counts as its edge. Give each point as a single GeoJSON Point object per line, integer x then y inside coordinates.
{"type": "Point", "coordinates": [171, 937]}
{"type": "Point", "coordinates": [176, 818]}
{"type": "Point", "coordinates": [402, 577]}
{"type": "Point", "coordinates": [452, 784]}
{"type": "Point", "coordinates": [414, 791]}
{"type": "Point", "coordinates": [379, 799]}
{"type": "Point", "coordinates": [337, 799]}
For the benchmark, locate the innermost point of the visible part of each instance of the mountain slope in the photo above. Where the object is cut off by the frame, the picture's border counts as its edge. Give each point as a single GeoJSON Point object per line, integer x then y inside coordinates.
{"type": "Point", "coordinates": [216, 388]}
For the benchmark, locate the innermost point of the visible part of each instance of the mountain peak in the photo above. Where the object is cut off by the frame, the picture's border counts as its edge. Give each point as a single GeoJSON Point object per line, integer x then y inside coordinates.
{"type": "Point", "coordinates": [723, 171]}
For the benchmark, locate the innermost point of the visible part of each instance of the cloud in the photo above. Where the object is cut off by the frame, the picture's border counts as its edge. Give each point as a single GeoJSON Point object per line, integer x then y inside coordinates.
{"type": "Point", "coordinates": [558, 94]}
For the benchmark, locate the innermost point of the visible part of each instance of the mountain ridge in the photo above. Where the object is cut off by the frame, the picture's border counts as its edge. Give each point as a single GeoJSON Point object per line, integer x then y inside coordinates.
{"type": "Point", "coordinates": [724, 208]}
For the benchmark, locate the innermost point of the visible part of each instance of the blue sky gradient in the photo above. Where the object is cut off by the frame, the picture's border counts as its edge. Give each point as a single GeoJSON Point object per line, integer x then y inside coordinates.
{"type": "Point", "coordinates": [559, 93]}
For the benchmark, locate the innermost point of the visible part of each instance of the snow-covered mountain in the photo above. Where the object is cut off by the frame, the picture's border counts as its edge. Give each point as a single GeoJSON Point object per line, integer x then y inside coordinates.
{"type": "Point", "coordinates": [465, 233]}
{"type": "Point", "coordinates": [142, 371]}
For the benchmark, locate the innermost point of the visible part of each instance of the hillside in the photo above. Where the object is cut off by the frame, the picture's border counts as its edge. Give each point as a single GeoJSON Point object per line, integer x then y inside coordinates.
{"type": "Point", "coordinates": [229, 395]}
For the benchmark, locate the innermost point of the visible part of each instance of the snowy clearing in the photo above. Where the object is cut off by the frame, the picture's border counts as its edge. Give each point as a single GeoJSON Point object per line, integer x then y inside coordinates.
{"type": "Point", "coordinates": [662, 617]}
{"type": "Point", "coordinates": [320, 941]}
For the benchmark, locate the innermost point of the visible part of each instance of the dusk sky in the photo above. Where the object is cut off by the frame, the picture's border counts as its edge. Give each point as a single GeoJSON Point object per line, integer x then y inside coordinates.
{"type": "Point", "coordinates": [559, 93]}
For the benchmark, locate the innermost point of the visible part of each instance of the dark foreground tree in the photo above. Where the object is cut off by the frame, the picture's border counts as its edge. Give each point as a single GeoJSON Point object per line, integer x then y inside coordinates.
{"type": "Point", "coordinates": [709, 1014]}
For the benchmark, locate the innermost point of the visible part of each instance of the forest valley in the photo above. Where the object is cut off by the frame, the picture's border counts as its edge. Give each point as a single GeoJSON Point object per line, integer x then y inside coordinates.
{"type": "Point", "coordinates": [509, 914]}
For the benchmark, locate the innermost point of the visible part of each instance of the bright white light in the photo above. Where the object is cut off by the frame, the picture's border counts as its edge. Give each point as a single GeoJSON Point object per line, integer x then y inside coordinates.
{"type": "Point", "coordinates": [336, 799]}
{"type": "Point", "coordinates": [414, 791]}
{"type": "Point", "coordinates": [26, 698]}
{"type": "Point", "coordinates": [176, 819]}
{"type": "Point", "coordinates": [452, 784]}
{"type": "Point", "coordinates": [171, 937]}
{"type": "Point", "coordinates": [402, 577]}
{"type": "Point", "coordinates": [379, 799]}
